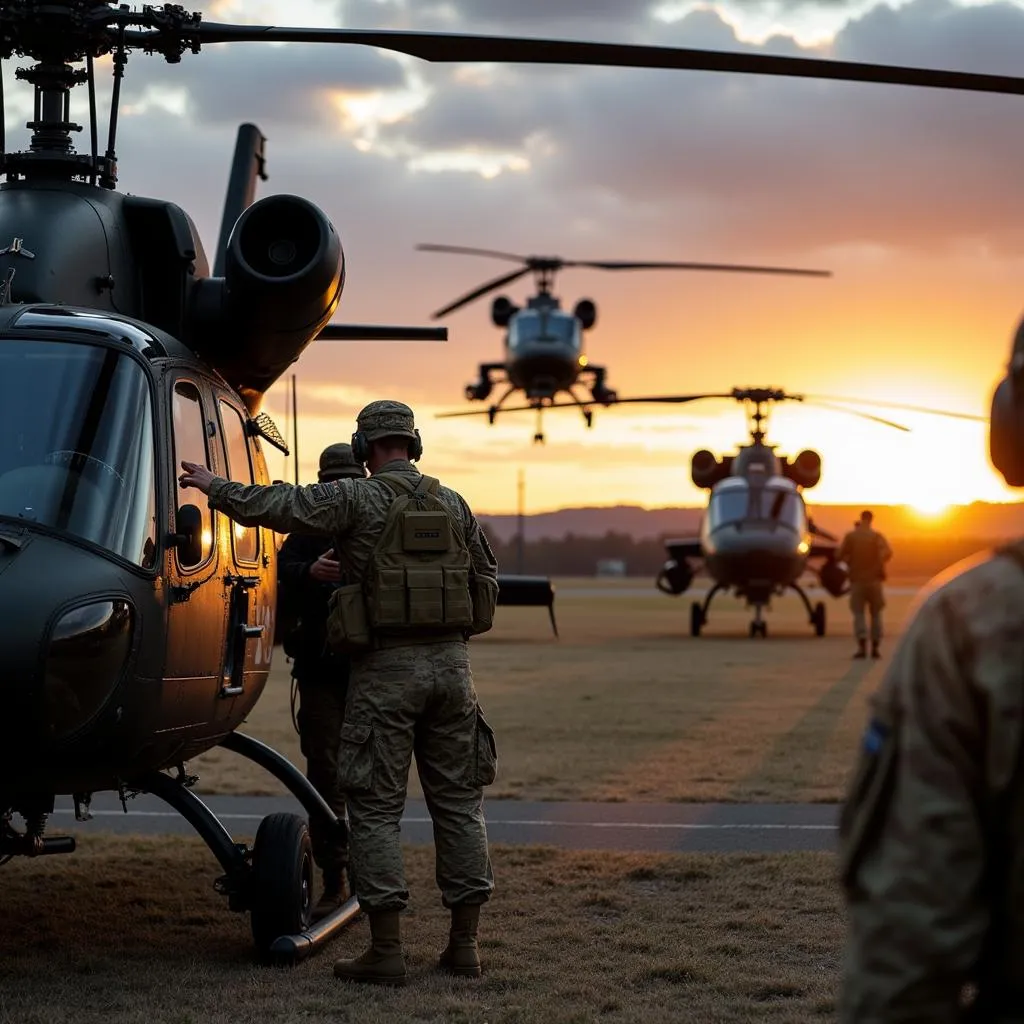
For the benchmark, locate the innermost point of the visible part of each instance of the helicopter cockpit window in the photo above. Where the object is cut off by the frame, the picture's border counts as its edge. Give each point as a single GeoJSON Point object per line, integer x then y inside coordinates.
{"type": "Point", "coordinates": [246, 538]}
{"type": "Point", "coordinates": [190, 446]}
{"type": "Point", "coordinates": [76, 444]}
{"type": "Point", "coordinates": [731, 506]}
{"type": "Point", "coordinates": [784, 506]}
{"type": "Point", "coordinates": [530, 327]}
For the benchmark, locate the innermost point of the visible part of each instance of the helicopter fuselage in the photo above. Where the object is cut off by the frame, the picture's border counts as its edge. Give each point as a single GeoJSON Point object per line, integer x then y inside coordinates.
{"type": "Point", "coordinates": [544, 351]}
{"type": "Point", "coordinates": [755, 538]}
{"type": "Point", "coordinates": [138, 626]}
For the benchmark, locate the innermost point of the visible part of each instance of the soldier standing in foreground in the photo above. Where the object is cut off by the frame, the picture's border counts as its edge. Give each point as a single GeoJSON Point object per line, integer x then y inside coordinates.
{"type": "Point", "coordinates": [932, 834]}
{"type": "Point", "coordinates": [410, 689]}
{"type": "Point", "coordinates": [865, 551]}
{"type": "Point", "coordinates": [308, 572]}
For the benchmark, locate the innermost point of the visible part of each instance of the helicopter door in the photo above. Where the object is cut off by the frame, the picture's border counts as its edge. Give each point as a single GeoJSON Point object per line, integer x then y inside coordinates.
{"type": "Point", "coordinates": [250, 640]}
{"type": "Point", "coordinates": [196, 614]}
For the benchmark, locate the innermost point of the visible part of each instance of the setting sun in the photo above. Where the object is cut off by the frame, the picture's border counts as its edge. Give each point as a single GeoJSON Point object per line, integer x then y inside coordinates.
{"type": "Point", "coordinates": [931, 507]}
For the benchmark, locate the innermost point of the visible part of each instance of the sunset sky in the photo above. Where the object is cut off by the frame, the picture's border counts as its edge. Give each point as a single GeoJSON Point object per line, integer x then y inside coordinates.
{"type": "Point", "coordinates": [913, 198]}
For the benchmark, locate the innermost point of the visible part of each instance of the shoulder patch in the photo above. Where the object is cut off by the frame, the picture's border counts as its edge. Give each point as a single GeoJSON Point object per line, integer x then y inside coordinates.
{"type": "Point", "coordinates": [323, 494]}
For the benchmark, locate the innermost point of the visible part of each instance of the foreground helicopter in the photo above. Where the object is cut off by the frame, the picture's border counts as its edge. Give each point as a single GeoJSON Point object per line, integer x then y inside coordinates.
{"type": "Point", "coordinates": [137, 626]}
{"type": "Point", "coordinates": [544, 344]}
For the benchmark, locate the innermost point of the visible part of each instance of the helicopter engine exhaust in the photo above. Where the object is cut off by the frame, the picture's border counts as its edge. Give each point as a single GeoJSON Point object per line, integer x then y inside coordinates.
{"type": "Point", "coordinates": [706, 470]}
{"type": "Point", "coordinates": [502, 310]}
{"type": "Point", "coordinates": [586, 313]}
{"type": "Point", "coordinates": [805, 469]}
{"type": "Point", "coordinates": [284, 273]}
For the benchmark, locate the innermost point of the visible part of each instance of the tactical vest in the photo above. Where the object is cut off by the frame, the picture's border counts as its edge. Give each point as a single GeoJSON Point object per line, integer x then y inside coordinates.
{"type": "Point", "coordinates": [417, 579]}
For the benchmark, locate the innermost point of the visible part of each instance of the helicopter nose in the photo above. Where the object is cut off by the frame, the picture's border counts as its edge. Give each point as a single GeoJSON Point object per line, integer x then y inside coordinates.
{"type": "Point", "coordinates": [66, 639]}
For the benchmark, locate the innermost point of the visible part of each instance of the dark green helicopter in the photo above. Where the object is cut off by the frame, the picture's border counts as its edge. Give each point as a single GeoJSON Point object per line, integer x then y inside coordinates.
{"type": "Point", "coordinates": [137, 627]}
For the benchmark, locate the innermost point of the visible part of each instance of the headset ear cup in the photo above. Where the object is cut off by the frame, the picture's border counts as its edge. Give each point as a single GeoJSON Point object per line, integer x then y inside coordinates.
{"type": "Point", "coordinates": [416, 448]}
{"type": "Point", "coordinates": [360, 449]}
{"type": "Point", "coordinates": [1006, 433]}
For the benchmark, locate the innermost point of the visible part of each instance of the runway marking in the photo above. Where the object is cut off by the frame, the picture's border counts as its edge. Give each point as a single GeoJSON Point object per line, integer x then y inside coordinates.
{"type": "Point", "coordinates": [532, 823]}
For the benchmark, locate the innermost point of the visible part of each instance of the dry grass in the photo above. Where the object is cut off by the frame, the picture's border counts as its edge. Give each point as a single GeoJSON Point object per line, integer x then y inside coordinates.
{"type": "Point", "coordinates": [627, 706]}
{"type": "Point", "coordinates": [128, 931]}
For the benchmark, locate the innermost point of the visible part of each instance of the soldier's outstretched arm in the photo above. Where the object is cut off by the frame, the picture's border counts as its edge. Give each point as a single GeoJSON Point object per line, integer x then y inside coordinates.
{"type": "Point", "coordinates": [912, 853]}
{"type": "Point", "coordinates": [323, 509]}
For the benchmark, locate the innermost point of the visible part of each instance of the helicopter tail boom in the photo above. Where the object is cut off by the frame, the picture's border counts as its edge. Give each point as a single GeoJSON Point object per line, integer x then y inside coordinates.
{"type": "Point", "coordinates": [247, 166]}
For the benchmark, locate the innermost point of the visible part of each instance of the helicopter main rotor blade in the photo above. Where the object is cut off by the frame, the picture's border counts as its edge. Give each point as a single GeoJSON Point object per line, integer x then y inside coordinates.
{"type": "Point", "coordinates": [459, 48]}
{"type": "Point", "coordinates": [663, 399]}
{"type": "Point", "coordinates": [482, 290]}
{"type": "Point", "coordinates": [898, 405]}
{"type": "Point", "coordinates": [733, 267]}
{"type": "Point", "coordinates": [469, 251]}
{"type": "Point", "coordinates": [380, 332]}
{"type": "Point", "coordinates": [862, 415]}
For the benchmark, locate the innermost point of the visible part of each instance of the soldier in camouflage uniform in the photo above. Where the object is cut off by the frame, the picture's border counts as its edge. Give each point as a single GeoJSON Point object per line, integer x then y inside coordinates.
{"type": "Point", "coordinates": [403, 699]}
{"type": "Point", "coordinates": [932, 834]}
{"type": "Point", "coordinates": [866, 552]}
{"type": "Point", "coordinates": [307, 572]}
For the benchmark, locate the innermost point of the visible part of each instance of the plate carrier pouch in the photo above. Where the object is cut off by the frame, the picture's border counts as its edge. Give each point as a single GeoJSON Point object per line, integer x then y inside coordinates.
{"type": "Point", "coordinates": [417, 579]}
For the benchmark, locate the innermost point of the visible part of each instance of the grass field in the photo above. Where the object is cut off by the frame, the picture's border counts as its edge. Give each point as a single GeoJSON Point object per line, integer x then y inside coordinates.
{"type": "Point", "coordinates": [129, 931]}
{"type": "Point", "coordinates": [627, 706]}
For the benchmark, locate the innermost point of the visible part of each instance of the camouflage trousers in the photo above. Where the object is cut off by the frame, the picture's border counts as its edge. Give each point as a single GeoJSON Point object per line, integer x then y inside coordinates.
{"type": "Point", "coordinates": [416, 700]}
{"type": "Point", "coordinates": [321, 714]}
{"type": "Point", "coordinates": [870, 597]}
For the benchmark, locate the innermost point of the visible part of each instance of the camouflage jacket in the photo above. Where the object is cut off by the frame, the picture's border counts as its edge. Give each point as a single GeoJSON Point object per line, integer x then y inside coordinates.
{"type": "Point", "coordinates": [351, 511]}
{"type": "Point", "coordinates": [932, 834]}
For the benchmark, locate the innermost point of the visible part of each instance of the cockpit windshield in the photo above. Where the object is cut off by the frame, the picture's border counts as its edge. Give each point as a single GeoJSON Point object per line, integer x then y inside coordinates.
{"type": "Point", "coordinates": [76, 444]}
{"type": "Point", "coordinates": [533, 327]}
{"type": "Point", "coordinates": [769, 502]}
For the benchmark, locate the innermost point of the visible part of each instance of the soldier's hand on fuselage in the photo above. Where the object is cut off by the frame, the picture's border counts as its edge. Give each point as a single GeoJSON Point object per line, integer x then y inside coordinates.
{"type": "Point", "coordinates": [196, 476]}
{"type": "Point", "coordinates": [326, 569]}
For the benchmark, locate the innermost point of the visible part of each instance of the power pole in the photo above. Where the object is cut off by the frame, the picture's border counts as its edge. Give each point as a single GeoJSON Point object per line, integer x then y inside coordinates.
{"type": "Point", "coordinates": [295, 428]}
{"type": "Point", "coordinates": [520, 521]}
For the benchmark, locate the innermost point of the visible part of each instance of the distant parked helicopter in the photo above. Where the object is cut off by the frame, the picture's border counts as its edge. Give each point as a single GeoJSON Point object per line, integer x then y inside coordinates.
{"type": "Point", "coordinates": [756, 538]}
{"type": "Point", "coordinates": [543, 344]}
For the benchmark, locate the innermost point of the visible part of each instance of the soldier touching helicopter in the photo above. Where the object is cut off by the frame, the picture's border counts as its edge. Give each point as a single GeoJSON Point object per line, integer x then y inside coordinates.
{"type": "Point", "coordinates": [429, 581]}
{"type": "Point", "coordinates": [308, 574]}
{"type": "Point", "coordinates": [932, 833]}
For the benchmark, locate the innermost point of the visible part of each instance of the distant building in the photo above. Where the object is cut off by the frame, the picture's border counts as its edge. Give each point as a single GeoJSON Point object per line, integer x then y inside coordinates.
{"type": "Point", "coordinates": [611, 567]}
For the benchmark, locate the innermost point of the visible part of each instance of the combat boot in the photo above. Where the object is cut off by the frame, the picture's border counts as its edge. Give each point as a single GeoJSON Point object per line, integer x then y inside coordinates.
{"type": "Point", "coordinates": [462, 955]}
{"type": "Point", "coordinates": [875, 652]}
{"type": "Point", "coordinates": [382, 963]}
{"type": "Point", "coordinates": [862, 649]}
{"type": "Point", "coordinates": [335, 893]}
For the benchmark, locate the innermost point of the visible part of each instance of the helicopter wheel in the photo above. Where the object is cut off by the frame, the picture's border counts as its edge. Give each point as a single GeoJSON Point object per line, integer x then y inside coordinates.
{"type": "Point", "coordinates": [759, 629]}
{"type": "Point", "coordinates": [697, 619]}
{"type": "Point", "coordinates": [818, 619]}
{"type": "Point", "coordinates": [282, 879]}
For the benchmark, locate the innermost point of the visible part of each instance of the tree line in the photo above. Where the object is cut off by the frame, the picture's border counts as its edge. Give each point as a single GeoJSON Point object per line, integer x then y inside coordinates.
{"type": "Point", "coordinates": [572, 555]}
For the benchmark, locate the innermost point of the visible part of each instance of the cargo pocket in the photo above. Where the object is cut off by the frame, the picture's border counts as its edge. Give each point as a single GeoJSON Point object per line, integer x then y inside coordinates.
{"type": "Point", "coordinates": [485, 753]}
{"type": "Point", "coordinates": [868, 801]}
{"type": "Point", "coordinates": [356, 757]}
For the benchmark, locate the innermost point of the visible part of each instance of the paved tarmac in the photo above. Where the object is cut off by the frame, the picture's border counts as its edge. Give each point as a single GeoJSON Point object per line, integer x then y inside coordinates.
{"type": "Point", "coordinates": [634, 827]}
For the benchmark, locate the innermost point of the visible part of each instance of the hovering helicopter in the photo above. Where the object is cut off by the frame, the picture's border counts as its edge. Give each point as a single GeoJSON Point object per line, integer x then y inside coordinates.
{"type": "Point", "coordinates": [756, 538]}
{"type": "Point", "coordinates": [137, 626]}
{"type": "Point", "coordinates": [544, 344]}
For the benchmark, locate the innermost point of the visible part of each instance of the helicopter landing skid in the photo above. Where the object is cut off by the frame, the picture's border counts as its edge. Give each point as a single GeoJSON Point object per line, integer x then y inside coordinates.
{"type": "Point", "coordinates": [815, 614]}
{"type": "Point", "coordinates": [273, 879]}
